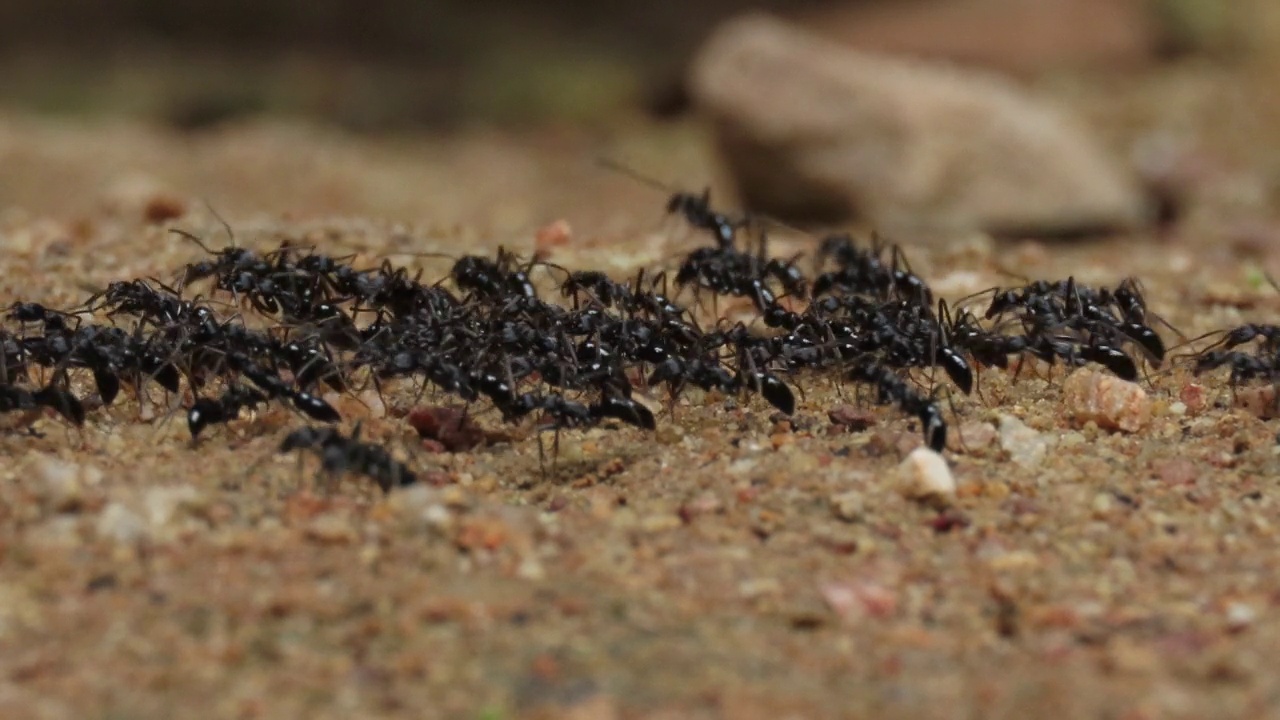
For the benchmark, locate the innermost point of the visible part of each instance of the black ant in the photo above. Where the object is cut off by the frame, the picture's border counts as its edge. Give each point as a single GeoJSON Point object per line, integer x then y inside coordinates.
{"type": "Point", "coordinates": [306, 403]}
{"type": "Point", "coordinates": [892, 388]}
{"type": "Point", "coordinates": [696, 209]}
{"type": "Point", "coordinates": [53, 396]}
{"type": "Point", "coordinates": [208, 411]}
{"type": "Point", "coordinates": [340, 454]}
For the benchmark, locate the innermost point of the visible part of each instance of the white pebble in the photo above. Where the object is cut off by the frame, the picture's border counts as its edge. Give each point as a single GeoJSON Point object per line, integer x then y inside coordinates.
{"type": "Point", "coordinates": [413, 499]}
{"type": "Point", "coordinates": [1025, 446]}
{"type": "Point", "coordinates": [62, 482]}
{"type": "Point", "coordinates": [849, 506]}
{"type": "Point", "coordinates": [164, 503]}
{"type": "Point", "coordinates": [1240, 615]}
{"type": "Point", "coordinates": [332, 528]}
{"type": "Point", "coordinates": [437, 516]}
{"type": "Point", "coordinates": [926, 477]}
{"type": "Point", "coordinates": [530, 569]}
{"type": "Point", "coordinates": [121, 524]}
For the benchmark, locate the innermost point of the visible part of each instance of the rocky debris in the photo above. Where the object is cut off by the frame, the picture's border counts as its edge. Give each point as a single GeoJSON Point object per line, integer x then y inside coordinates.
{"type": "Point", "coordinates": [972, 437]}
{"type": "Point", "coordinates": [1026, 447]}
{"type": "Point", "coordinates": [1259, 400]}
{"type": "Point", "coordinates": [925, 477]}
{"type": "Point", "coordinates": [809, 127]}
{"type": "Point", "coordinates": [452, 428]}
{"type": "Point", "coordinates": [852, 418]}
{"type": "Point", "coordinates": [1107, 400]}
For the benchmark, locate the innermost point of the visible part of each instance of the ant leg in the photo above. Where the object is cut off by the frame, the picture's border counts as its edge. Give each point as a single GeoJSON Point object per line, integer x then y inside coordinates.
{"type": "Point", "coordinates": [1022, 361]}
{"type": "Point", "coordinates": [956, 414]}
{"type": "Point", "coordinates": [542, 457]}
{"type": "Point", "coordinates": [555, 448]}
{"type": "Point", "coordinates": [977, 384]}
{"type": "Point", "coordinates": [377, 387]}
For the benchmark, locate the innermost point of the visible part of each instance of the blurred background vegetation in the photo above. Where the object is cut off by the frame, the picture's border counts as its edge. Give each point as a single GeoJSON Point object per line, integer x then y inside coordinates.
{"type": "Point", "coordinates": [382, 65]}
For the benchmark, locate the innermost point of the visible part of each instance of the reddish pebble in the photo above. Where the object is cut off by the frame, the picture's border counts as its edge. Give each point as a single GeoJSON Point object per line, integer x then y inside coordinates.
{"type": "Point", "coordinates": [437, 479]}
{"type": "Point", "coordinates": [1175, 471]}
{"type": "Point", "coordinates": [855, 419]}
{"type": "Point", "coordinates": [857, 600]}
{"type": "Point", "coordinates": [1107, 400]}
{"type": "Point", "coordinates": [162, 208]}
{"type": "Point", "coordinates": [1194, 397]}
{"type": "Point", "coordinates": [551, 236]}
{"type": "Point", "coordinates": [948, 520]}
{"type": "Point", "coordinates": [704, 504]}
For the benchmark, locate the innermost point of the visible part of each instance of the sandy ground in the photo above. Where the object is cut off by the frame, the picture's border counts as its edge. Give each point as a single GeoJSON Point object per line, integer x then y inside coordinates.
{"type": "Point", "coordinates": [731, 566]}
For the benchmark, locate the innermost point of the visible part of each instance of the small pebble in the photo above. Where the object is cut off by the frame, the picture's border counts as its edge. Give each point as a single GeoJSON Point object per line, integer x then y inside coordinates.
{"type": "Point", "coordinates": [121, 524]}
{"type": "Point", "coordinates": [972, 436]}
{"type": "Point", "coordinates": [530, 569]}
{"type": "Point", "coordinates": [164, 504]}
{"type": "Point", "coordinates": [553, 235]}
{"type": "Point", "coordinates": [669, 434]}
{"type": "Point", "coordinates": [704, 504]}
{"type": "Point", "coordinates": [1103, 504]}
{"type": "Point", "coordinates": [58, 531]}
{"type": "Point", "coordinates": [63, 482]}
{"type": "Point", "coordinates": [1107, 400]}
{"type": "Point", "coordinates": [331, 528]}
{"type": "Point", "coordinates": [1026, 447]}
{"type": "Point", "coordinates": [849, 506]}
{"type": "Point", "coordinates": [163, 207]}
{"type": "Point", "coordinates": [1240, 616]}
{"type": "Point", "coordinates": [1194, 398]}
{"type": "Point", "coordinates": [659, 523]}
{"type": "Point", "coordinates": [848, 416]}
{"type": "Point", "coordinates": [927, 478]}
{"type": "Point", "coordinates": [1175, 471]}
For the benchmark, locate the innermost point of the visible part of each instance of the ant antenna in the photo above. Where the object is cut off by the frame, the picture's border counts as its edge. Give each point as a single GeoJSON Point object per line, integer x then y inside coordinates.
{"type": "Point", "coordinates": [961, 303]}
{"type": "Point", "coordinates": [225, 225]}
{"type": "Point", "coordinates": [632, 173]}
{"type": "Point", "coordinates": [1011, 274]}
{"type": "Point", "coordinates": [189, 236]}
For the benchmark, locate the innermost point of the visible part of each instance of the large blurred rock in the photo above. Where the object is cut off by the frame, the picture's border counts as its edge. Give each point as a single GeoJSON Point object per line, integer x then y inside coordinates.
{"type": "Point", "coordinates": [1017, 36]}
{"type": "Point", "coordinates": [810, 128]}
